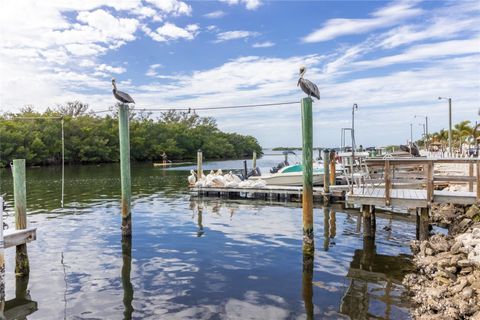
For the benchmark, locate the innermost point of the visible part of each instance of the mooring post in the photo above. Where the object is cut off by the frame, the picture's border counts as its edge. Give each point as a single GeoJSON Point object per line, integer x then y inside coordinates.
{"type": "Point", "coordinates": [326, 172]}
{"type": "Point", "coordinates": [22, 266]}
{"type": "Point", "coordinates": [126, 281]}
{"type": "Point", "coordinates": [2, 262]}
{"type": "Point", "coordinates": [326, 228]}
{"type": "Point", "coordinates": [245, 169]}
{"type": "Point", "coordinates": [307, 285]}
{"type": "Point", "coordinates": [367, 221]}
{"type": "Point", "coordinates": [424, 224]}
{"type": "Point", "coordinates": [307, 196]}
{"type": "Point", "coordinates": [124, 134]}
{"type": "Point", "coordinates": [199, 164]}
{"type": "Point", "coordinates": [254, 160]}
{"type": "Point", "coordinates": [332, 167]}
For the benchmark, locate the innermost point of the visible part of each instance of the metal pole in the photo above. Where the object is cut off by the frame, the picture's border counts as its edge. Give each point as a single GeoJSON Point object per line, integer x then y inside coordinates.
{"type": "Point", "coordinates": [307, 197]}
{"type": "Point", "coordinates": [426, 131]}
{"type": "Point", "coordinates": [450, 126]}
{"type": "Point", "coordinates": [22, 266]}
{"type": "Point", "coordinates": [2, 263]}
{"type": "Point", "coordinates": [411, 133]}
{"type": "Point", "coordinates": [124, 135]}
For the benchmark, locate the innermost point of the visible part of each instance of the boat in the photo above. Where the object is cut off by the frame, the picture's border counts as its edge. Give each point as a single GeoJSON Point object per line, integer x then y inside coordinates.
{"type": "Point", "coordinates": [291, 175]}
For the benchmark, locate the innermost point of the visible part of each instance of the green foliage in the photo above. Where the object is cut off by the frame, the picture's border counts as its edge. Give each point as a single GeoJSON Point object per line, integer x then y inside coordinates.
{"type": "Point", "coordinates": [90, 138]}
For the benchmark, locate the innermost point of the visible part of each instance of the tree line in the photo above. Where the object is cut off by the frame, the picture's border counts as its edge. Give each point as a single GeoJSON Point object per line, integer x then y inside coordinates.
{"type": "Point", "coordinates": [463, 133]}
{"type": "Point", "coordinates": [92, 138]}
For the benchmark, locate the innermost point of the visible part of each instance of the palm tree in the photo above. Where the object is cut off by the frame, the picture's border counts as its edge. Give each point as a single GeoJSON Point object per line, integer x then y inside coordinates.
{"type": "Point", "coordinates": [463, 131]}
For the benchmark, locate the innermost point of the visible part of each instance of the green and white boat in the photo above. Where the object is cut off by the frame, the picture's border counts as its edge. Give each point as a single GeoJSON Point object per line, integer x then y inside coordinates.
{"type": "Point", "coordinates": [291, 176]}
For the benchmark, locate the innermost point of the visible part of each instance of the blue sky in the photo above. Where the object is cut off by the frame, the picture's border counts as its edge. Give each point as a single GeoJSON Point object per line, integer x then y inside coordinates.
{"type": "Point", "coordinates": [392, 58]}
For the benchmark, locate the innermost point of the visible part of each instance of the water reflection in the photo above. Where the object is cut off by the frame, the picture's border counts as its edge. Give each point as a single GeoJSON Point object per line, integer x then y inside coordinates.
{"type": "Point", "coordinates": [195, 258]}
{"type": "Point", "coordinates": [126, 283]}
{"type": "Point", "coordinates": [22, 305]}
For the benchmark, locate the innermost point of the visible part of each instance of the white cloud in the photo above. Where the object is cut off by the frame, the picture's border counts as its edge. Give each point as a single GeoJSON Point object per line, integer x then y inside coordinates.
{"type": "Point", "coordinates": [152, 70]}
{"type": "Point", "coordinates": [265, 44]}
{"type": "Point", "coordinates": [249, 4]}
{"type": "Point", "coordinates": [215, 14]}
{"type": "Point", "coordinates": [384, 17]}
{"type": "Point", "coordinates": [169, 32]}
{"type": "Point", "coordinates": [173, 7]}
{"type": "Point", "coordinates": [232, 35]}
{"type": "Point", "coordinates": [110, 69]}
{"type": "Point", "coordinates": [426, 52]}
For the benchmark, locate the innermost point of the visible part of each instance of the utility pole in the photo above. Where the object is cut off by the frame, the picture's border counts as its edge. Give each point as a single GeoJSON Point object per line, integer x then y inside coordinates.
{"type": "Point", "coordinates": [449, 123]}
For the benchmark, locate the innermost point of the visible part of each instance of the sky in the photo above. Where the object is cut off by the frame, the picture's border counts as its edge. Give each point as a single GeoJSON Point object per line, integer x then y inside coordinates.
{"type": "Point", "coordinates": [392, 58]}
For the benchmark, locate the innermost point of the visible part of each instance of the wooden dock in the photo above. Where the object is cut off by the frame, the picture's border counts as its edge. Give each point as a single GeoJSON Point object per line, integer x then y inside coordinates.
{"type": "Point", "coordinates": [412, 183]}
{"type": "Point", "coordinates": [288, 193]}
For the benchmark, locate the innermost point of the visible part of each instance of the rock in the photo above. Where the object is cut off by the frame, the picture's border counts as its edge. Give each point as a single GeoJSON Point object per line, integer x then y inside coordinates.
{"type": "Point", "coordinates": [451, 269]}
{"type": "Point", "coordinates": [467, 293]}
{"type": "Point", "coordinates": [464, 263]}
{"type": "Point", "coordinates": [466, 270]}
{"type": "Point", "coordinates": [472, 211]}
{"type": "Point", "coordinates": [439, 243]}
{"type": "Point", "coordinates": [428, 251]}
{"type": "Point", "coordinates": [459, 287]}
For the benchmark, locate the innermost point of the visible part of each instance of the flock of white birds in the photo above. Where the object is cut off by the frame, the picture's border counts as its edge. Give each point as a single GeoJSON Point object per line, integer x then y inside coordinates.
{"type": "Point", "coordinates": [218, 179]}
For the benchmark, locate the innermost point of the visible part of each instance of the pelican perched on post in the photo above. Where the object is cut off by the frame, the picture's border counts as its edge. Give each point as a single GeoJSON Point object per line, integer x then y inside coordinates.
{"type": "Point", "coordinates": [121, 96]}
{"type": "Point", "coordinates": [308, 86]}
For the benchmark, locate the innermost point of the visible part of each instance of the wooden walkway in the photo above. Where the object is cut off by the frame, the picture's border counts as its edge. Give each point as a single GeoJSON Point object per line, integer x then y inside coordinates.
{"type": "Point", "coordinates": [408, 198]}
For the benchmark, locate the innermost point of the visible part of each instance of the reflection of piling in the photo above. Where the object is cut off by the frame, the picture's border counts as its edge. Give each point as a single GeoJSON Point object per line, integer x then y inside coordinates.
{"type": "Point", "coordinates": [307, 196]}
{"type": "Point", "coordinates": [124, 137]}
{"type": "Point", "coordinates": [199, 222]}
{"type": "Point", "coordinates": [333, 224]}
{"type": "Point", "coordinates": [199, 164]}
{"type": "Point", "coordinates": [332, 168]}
{"type": "Point", "coordinates": [22, 266]}
{"type": "Point", "coordinates": [126, 282]}
{"type": "Point", "coordinates": [326, 228]}
{"type": "Point", "coordinates": [254, 160]}
{"type": "Point", "coordinates": [307, 285]}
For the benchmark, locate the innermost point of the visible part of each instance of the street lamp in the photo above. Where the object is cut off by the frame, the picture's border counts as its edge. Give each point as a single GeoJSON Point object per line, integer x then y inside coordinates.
{"type": "Point", "coordinates": [425, 129]}
{"type": "Point", "coordinates": [411, 137]}
{"type": "Point", "coordinates": [354, 107]}
{"type": "Point", "coordinates": [449, 123]}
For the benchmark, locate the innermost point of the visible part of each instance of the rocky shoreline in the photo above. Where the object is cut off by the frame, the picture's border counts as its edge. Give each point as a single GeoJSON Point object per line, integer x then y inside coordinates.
{"type": "Point", "coordinates": [446, 282]}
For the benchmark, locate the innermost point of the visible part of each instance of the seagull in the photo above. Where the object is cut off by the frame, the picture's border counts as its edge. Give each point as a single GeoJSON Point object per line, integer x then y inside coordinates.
{"type": "Point", "coordinates": [307, 86]}
{"type": "Point", "coordinates": [121, 96]}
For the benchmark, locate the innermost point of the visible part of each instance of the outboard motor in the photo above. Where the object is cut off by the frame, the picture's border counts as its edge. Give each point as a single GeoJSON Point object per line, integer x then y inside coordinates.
{"type": "Point", "coordinates": [254, 173]}
{"type": "Point", "coordinates": [279, 166]}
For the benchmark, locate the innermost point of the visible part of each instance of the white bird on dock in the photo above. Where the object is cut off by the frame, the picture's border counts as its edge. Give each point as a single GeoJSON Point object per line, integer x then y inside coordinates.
{"type": "Point", "coordinates": [219, 172]}
{"type": "Point", "coordinates": [192, 178]}
{"type": "Point", "coordinates": [210, 175]}
{"type": "Point", "coordinates": [308, 86]}
{"type": "Point", "coordinates": [218, 181]}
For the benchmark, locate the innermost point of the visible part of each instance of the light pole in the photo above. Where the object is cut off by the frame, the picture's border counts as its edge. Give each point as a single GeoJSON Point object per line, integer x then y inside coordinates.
{"type": "Point", "coordinates": [425, 129]}
{"type": "Point", "coordinates": [449, 123]}
{"type": "Point", "coordinates": [354, 107]}
{"type": "Point", "coordinates": [411, 135]}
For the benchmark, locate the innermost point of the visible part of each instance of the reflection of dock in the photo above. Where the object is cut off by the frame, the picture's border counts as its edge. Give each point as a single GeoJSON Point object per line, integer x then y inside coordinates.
{"type": "Point", "coordinates": [367, 268]}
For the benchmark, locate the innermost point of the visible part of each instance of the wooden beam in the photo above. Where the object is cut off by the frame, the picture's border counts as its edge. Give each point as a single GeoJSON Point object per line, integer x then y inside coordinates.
{"type": "Point", "coordinates": [14, 238]}
{"type": "Point", "coordinates": [430, 184]}
{"type": "Point", "coordinates": [470, 174]}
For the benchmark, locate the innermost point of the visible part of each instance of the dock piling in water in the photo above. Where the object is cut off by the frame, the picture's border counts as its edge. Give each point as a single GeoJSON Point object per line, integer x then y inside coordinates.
{"type": "Point", "coordinates": [199, 164]}
{"type": "Point", "coordinates": [307, 196]}
{"type": "Point", "coordinates": [326, 171]}
{"type": "Point", "coordinates": [332, 167]}
{"type": "Point", "coordinates": [124, 137]}
{"type": "Point", "coordinates": [22, 266]}
{"type": "Point", "coordinates": [2, 261]}
{"type": "Point", "coordinates": [254, 160]}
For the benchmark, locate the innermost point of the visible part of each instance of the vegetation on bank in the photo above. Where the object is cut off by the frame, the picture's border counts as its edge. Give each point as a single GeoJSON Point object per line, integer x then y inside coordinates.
{"type": "Point", "coordinates": [91, 138]}
{"type": "Point", "coordinates": [286, 148]}
{"type": "Point", "coordinates": [462, 133]}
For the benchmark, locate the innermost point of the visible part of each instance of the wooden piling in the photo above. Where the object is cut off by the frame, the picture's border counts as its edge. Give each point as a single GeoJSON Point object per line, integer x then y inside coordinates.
{"type": "Point", "coordinates": [470, 174]}
{"type": "Point", "coordinates": [199, 164]}
{"type": "Point", "coordinates": [2, 261]}
{"type": "Point", "coordinates": [254, 160]}
{"type": "Point", "coordinates": [367, 222]}
{"type": "Point", "coordinates": [332, 167]}
{"type": "Point", "coordinates": [424, 224]}
{"type": "Point", "coordinates": [326, 228]}
{"type": "Point", "coordinates": [326, 171]}
{"type": "Point", "coordinates": [307, 196]}
{"type": "Point", "coordinates": [124, 137]}
{"type": "Point", "coordinates": [22, 266]}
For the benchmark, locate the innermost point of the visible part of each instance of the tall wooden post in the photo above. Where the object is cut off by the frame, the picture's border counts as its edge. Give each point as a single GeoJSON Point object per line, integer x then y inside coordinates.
{"type": "Point", "coordinates": [326, 171]}
{"type": "Point", "coordinates": [470, 174]}
{"type": "Point", "coordinates": [124, 134]}
{"type": "Point", "coordinates": [367, 221]}
{"type": "Point", "coordinates": [332, 168]}
{"type": "Point", "coordinates": [22, 266]}
{"type": "Point", "coordinates": [326, 228]}
{"type": "Point", "coordinates": [307, 285]}
{"type": "Point", "coordinates": [424, 224]}
{"type": "Point", "coordinates": [126, 282]}
{"type": "Point", "coordinates": [254, 160]}
{"type": "Point", "coordinates": [2, 262]}
{"type": "Point", "coordinates": [307, 196]}
{"type": "Point", "coordinates": [199, 164]}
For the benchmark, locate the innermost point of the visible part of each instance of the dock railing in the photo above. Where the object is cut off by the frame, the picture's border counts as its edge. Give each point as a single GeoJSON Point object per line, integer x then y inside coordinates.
{"type": "Point", "coordinates": [418, 175]}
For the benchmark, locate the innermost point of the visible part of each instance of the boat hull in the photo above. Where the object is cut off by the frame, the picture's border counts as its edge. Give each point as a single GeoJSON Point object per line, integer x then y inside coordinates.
{"type": "Point", "coordinates": [288, 179]}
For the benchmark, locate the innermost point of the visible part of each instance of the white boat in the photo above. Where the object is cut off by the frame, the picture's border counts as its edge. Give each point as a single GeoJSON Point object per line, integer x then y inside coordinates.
{"type": "Point", "coordinates": [291, 176]}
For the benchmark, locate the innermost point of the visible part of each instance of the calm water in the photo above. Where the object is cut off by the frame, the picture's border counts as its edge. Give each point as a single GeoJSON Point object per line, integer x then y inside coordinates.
{"type": "Point", "coordinates": [195, 259]}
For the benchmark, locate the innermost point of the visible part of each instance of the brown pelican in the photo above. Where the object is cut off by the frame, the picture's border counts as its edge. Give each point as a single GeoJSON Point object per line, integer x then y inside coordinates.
{"type": "Point", "coordinates": [308, 86]}
{"type": "Point", "coordinates": [121, 96]}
